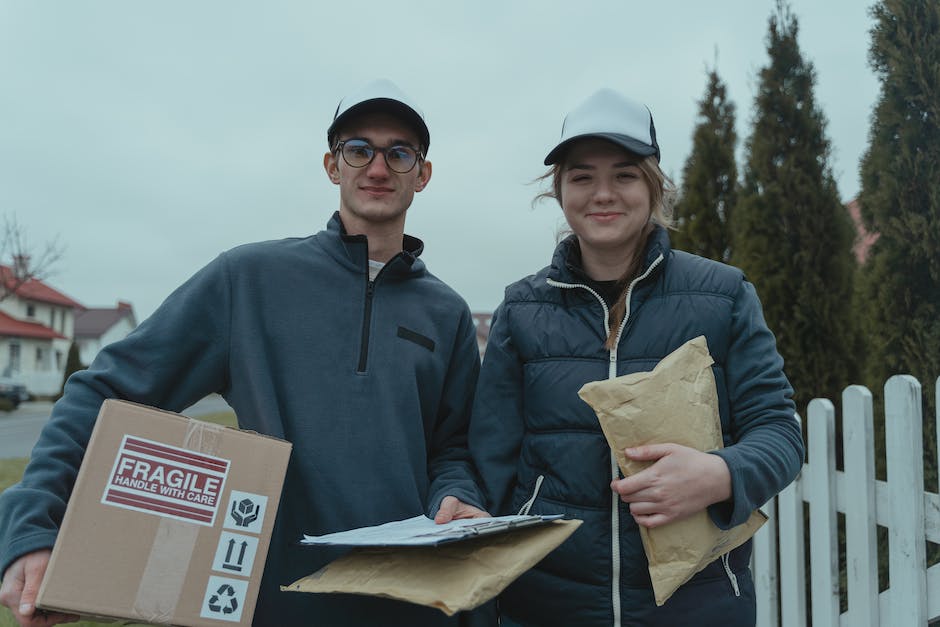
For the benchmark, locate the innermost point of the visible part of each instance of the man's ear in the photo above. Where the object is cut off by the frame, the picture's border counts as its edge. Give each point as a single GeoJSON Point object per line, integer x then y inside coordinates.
{"type": "Point", "coordinates": [331, 167]}
{"type": "Point", "coordinates": [424, 175]}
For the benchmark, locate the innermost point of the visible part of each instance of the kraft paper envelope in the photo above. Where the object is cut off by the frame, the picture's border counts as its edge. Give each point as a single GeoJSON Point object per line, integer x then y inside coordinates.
{"type": "Point", "coordinates": [451, 577]}
{"type": "Point", "coordinates": [676, 402]}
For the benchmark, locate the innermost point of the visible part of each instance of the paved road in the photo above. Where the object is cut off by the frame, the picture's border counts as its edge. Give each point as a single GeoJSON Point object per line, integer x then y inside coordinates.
{"type": "Point", "coordinates": [20, 429]}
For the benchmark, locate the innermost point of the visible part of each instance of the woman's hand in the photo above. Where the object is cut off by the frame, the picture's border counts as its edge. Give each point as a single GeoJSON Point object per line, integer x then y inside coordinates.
{"type": "Point", "coordinates": [680, 482]}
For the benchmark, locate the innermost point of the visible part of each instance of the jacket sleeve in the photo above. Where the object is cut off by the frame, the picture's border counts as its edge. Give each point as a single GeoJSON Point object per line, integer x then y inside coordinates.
{"type": "Point", "coordinates": [767, 450]}
{"type": "Point", "coordinates": [497, 423]}
{"type": "Point", "coordinates": [450, 468]}
{"type": "Point", "coordinates": [171, 360]}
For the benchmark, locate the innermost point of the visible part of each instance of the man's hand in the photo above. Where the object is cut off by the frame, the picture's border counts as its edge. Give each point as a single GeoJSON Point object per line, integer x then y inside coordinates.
{"type": "Point", "coordinates": [454, 509]}
{"type": "Point", "coordinates": [20, 586]}
{"type": "Point", "coordinates": [680, 482]}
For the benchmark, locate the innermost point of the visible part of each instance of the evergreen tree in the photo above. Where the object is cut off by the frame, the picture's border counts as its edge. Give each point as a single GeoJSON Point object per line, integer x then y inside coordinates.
{"type": "Point", "coordinates": [899, 285]}
{"type": "Point", "coordinates": [790, 232]}
{"type": "Point", "coordinates": [709, 180]}
{"type": "Point", "coordinates": [73, 363]}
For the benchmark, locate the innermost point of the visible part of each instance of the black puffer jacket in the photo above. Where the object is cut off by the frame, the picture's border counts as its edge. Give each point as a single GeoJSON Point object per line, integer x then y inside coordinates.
{"type": "Point", "coordinates": [531, 435]}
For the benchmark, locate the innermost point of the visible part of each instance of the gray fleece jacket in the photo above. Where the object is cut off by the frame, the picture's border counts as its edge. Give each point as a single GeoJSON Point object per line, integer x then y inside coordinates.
{"type": "Point", "coordinates": [372, 382]}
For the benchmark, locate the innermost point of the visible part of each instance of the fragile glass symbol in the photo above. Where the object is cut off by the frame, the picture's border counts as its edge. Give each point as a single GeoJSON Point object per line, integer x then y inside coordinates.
{"type": "Point", "coordinates": [223, 600]}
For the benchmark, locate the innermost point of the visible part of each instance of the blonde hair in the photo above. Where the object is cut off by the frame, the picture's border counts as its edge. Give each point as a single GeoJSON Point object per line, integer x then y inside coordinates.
{"type": "Point", "coordinates": [663, 195]}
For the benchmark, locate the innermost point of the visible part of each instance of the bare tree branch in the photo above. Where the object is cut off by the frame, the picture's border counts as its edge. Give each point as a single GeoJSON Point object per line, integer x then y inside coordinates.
{"type": "Point", "coordinates": [26, 264]}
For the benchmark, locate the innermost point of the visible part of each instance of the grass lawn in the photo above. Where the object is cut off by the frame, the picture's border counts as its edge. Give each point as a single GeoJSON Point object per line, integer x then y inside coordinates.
{"type": "Point", "coordinates": [12, 469]}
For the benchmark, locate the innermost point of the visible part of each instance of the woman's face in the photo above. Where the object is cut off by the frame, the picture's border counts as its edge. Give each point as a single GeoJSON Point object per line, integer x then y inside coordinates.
{"type": "Point", "coordinates": [604, 196]}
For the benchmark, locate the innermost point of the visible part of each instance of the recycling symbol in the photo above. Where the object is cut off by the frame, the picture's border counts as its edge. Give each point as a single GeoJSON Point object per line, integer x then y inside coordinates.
{"type": "Point", "coordinates": [223, 600]}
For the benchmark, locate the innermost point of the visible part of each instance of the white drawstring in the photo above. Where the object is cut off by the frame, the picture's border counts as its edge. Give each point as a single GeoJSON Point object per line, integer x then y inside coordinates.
{"type": "Point", "coordinates": [524, 510]}
{"type": "Point", "coordinates": [734, 580]}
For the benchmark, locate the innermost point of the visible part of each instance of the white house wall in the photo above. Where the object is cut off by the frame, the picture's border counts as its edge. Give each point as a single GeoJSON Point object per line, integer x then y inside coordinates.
{"type": "Point", "coordinates": [59, 319]}
{"type": "Point", "coordinates": [88, 348]}
{"type": "Point", "coordinates": [6, 368]}
{"type": "Point", "coordinates": [118, 331]}
{"type": "Point", "coordinates": [41, 363]}
{"type": "Point", "coordinates": [46, 378]}
{"type": "Point", "coordinates": [41, 372]}
{"type": "Point", "coordinates": [12, 306]}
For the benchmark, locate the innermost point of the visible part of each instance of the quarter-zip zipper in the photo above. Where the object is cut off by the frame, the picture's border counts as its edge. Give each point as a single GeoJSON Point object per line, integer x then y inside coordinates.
{"type": "Point", "coordinates": [367, 315]}
{"type": "Point", "coordinates": [614, 468]}
{"type": "Point", "coordinates": [366, 325]}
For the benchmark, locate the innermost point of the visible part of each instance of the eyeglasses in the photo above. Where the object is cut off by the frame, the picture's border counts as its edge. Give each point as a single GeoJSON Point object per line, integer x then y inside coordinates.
{"type": "Point", "coordinates": [359, 153]}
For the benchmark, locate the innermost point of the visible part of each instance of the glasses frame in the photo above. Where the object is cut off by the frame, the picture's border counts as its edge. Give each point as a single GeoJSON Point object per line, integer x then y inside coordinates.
{"type": "Point", "coordinates": [419, 155]}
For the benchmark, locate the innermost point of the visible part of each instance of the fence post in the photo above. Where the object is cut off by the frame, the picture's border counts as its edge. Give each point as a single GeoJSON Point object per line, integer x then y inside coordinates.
{"type": "Point", "coordinates": [823, 544]}
{"type": "Point", "coordinates": [793, 552]}
{"type": "Point", "coordinates": [861, 539]}
{"type": "Point", "coordinates": [933, 575]}
{"type": "Point", "coordinates": [765, 577]}
{"type": "Point", "coordinates": [907, 559]}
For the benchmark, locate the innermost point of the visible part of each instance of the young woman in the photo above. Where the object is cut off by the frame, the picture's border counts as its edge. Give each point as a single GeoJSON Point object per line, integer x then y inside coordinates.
{"type": "Point", "coordinates": [615, 300]}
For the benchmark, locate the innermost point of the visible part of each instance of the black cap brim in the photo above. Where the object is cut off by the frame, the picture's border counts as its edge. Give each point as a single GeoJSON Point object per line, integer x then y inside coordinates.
{"type": "Point", "coordinates": [382, 105]}
{"type": "Point", "coordinates": [627, 143]}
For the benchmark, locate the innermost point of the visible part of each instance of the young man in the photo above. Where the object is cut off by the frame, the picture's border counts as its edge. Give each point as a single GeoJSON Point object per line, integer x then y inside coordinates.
{"type": "Point", "coordinates": [342, 343]}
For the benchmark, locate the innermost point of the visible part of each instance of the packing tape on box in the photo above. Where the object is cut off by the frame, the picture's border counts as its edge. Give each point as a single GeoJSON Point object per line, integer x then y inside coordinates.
{"type": "Point", "coordinates": [161, 583]}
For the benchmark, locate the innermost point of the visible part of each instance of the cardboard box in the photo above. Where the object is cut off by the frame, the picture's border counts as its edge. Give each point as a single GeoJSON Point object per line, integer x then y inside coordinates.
{"type": "Point", "coordinates": [169, 521]}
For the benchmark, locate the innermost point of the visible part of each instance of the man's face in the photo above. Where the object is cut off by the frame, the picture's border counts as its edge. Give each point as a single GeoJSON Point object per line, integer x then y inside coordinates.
{"type": "Point", "coordinates": [374, 194]}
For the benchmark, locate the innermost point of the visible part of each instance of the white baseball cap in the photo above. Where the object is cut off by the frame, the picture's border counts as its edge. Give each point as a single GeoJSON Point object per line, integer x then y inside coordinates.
{"type": "Point", "coordinates": [380, 95]}
{"type": "Point", "coordinates": [609, 115]}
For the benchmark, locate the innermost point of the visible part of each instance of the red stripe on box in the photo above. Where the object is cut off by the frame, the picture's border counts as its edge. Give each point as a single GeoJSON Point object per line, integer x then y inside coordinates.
{"type": "Point", "coordinates": [175, 454]}
{"type": "Point", "coordinates": [143, 502]}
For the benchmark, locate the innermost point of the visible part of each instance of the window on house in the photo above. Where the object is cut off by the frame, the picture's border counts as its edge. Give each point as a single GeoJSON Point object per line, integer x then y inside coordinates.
{"type": "Point", "coordinates": [14, 357]}
{"type": "Point", "coordinates": [40, 365]}
{"type": "Point", "coordinates": [52, 317]}
{"type": "Point", "coordinates": [58, 360]}
{"type": "Point", "coordinates": [30, 310]}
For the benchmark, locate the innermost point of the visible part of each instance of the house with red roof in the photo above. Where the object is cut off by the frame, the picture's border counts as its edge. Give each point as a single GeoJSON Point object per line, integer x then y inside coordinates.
{"type": "Point", "coordinates": [36, 329]}
{"type": "Point", "coordinates": [97, 327]}
{"type": "Point", "coordinates": [481, 320]}
{"type": "Point", "coordinates": [863, 239]}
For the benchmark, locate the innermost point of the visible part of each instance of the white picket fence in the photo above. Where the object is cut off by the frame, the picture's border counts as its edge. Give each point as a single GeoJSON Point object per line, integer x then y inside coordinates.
{"type": "Point", "coordinates": [900, 504]}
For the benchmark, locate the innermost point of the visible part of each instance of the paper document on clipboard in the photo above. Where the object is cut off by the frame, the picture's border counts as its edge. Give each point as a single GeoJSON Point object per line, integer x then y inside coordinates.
{"type": "Point", "coordinates": [453, 567]}
{"type": "Point", "coordinates": [423, 531]}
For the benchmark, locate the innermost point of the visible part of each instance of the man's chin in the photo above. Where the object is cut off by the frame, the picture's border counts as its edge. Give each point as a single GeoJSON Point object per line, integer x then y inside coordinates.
{"type": "Point", "coordinates": [378, 213]}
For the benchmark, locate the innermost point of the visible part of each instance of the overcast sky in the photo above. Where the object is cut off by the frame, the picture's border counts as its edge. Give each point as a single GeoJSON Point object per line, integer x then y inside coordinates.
{"type": "Point", "coordinates": [148, 136]}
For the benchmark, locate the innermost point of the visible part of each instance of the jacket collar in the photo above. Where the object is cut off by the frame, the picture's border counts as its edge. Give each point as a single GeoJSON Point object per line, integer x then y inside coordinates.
{"type": "Point", "coordinates": [353, 251]}
{"type": "Point", "coordinates": [566, 262]}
